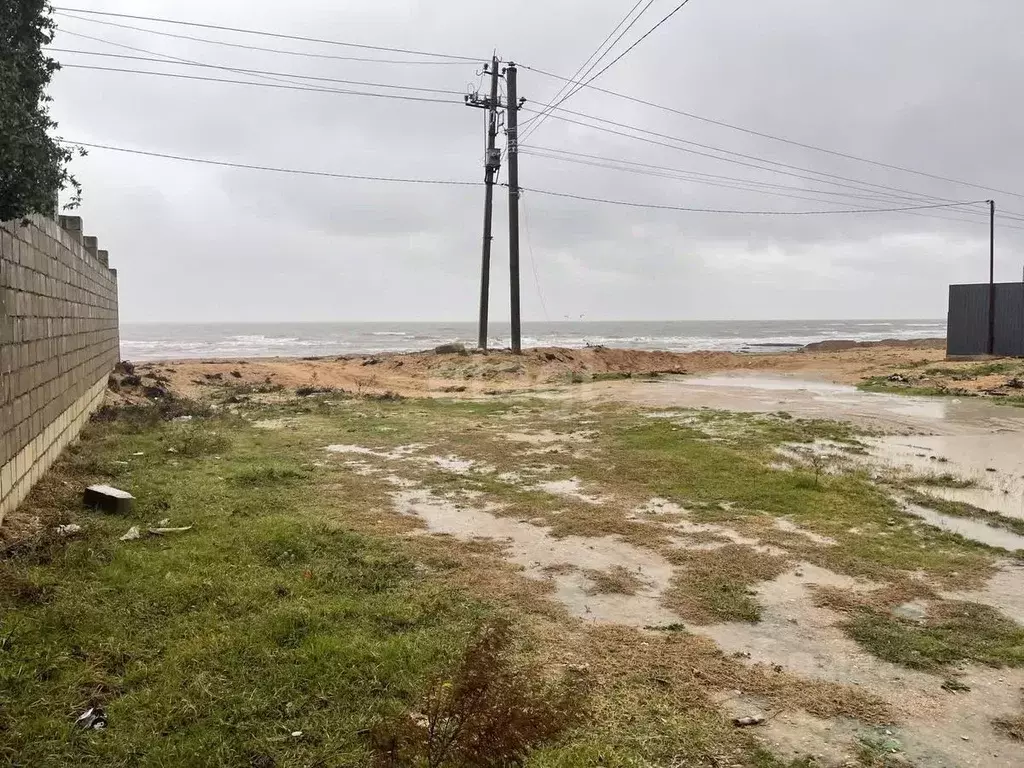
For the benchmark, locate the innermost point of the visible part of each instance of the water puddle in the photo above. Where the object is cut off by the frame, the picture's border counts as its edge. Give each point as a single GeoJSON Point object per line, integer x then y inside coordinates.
{"type": "Point", "coordinates": [806, 398]}
{"type": "Point", "coordinates": [560, 560]}
{"type": "Point", "coordinates": [992, 463]}
{"type": "Point", "coordinates": [969, 529]}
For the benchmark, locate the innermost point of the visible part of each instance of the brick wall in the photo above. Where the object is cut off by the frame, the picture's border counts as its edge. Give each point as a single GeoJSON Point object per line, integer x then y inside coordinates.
{"type": "Point", "coordinates": [58, 343]}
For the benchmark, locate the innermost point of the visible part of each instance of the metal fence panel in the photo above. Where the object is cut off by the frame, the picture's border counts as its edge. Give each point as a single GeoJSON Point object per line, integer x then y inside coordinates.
{"type": "Point", "coordinates": [967, 326]}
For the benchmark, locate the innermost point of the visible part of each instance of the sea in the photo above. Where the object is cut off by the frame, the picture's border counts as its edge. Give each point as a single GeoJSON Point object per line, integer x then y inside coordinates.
{"type": "Point", "coordinates": [174, 341]}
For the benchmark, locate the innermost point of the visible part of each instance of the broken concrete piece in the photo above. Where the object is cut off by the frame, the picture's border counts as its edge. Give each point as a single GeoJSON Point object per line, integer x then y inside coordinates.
{"type": "Point", "coordinates": [108, 499]}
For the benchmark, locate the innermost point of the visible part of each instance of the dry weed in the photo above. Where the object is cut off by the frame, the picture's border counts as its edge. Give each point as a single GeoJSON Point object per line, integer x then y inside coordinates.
{"type": "Point", "coordinates": [491, 710]}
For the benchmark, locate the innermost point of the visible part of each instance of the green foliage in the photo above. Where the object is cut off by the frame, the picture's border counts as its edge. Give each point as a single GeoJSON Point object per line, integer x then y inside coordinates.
{"type": "Point", "coordinates": [33, 165]}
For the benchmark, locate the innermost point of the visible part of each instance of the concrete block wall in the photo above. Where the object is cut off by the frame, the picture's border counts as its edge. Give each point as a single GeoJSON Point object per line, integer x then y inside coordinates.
{"type": "Point", "coordinates": [58, 343]}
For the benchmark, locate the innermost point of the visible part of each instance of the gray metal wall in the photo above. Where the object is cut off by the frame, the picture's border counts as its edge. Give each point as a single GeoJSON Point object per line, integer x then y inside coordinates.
{"type": "Point", "coordinates": [967, 329]}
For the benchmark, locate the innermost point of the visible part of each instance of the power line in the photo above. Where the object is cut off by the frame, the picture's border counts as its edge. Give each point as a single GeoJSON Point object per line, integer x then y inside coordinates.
{"type": "Point", "coordinates": [568, 83]}
{"type": "Point", "coordinates": [763, 135]}
{"type": "Point", "coordinates": [249, 167]}
{"type": "Point", "coordinates": [189, 63]}
{"type": "Point", "coordinates": [654, 206]}
{"type": "Point", "coordinates": [744, 185]}
{"type": "Point", "coordinates": [571, 91]}
{"type": "Point", "coordinates": [262, 49]}
{"type": "Point", "coordinates": [642, 38]}
{"type": "Point", "coordinates": [893, 192]}
{"type": "Point", "coordinates": [262, 33]}
{"type": "Point", "coordinates": [263, 85]}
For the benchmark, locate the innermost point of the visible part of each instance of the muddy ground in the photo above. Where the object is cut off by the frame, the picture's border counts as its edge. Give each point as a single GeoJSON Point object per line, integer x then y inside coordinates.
{"type": "Point", "coordinates": [712, 535]}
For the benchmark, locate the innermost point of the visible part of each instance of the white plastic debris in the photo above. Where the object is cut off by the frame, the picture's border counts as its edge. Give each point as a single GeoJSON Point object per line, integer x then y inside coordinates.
{"type": "Point", "coordinates": [68, 530]}
{"type": "Point", "coordinates": [162, 531]}
{"type": "Point", "coordinates": [93, 719]}
{"type": "Point", "coordinates": [132, 534]}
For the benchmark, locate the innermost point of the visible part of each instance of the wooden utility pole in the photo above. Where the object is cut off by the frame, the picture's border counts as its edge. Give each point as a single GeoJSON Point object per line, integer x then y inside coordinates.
{"type": "Point", "coordinates": [991, 277]}
{"type": "Point", "coordinates": [492, 162]}
{"type": "Point", "coordinates": [513, 204]}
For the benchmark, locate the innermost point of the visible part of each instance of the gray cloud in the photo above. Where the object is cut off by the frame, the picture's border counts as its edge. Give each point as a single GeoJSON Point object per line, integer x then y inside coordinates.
{"type": "Point", "coordinates": [929, 85]}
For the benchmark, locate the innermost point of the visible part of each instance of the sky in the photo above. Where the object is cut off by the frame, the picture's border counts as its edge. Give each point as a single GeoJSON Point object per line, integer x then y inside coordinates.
{"type": "Point", "coordinates": [929, 85]}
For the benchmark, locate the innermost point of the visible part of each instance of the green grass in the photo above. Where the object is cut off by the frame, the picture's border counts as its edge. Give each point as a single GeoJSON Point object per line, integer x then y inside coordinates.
{"type": "Point", "coordinates": [952, 632]}
{"type": "Point", "coordinates": [977, 371]}
{"type": "Point", "coordinates": [212, 646]}
{"type": "Point", "coordinates": [280, 611]}
{"type": "Point", "coordinates": [667, 461]}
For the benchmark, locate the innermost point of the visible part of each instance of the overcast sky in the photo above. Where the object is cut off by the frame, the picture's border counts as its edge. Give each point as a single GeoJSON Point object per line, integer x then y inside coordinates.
{"type": "Point", "coordinates": [932, 85]}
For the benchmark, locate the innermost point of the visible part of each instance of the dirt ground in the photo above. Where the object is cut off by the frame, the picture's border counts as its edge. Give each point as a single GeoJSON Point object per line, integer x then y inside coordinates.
{"type": "Point", "coordinates": [475, 373]}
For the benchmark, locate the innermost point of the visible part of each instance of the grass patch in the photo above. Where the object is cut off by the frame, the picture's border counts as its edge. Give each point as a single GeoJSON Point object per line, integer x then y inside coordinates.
{"type": "Point", "coordinates": [952, 632]}
{"type": "Point", "coordinates": [735, 483]}
{"type": "Point", "coordinates": [614, 581]}
{"type": "Point", "coordinates": [944, 480]}
{"type": "Point", "coordinates": [977, 371]}
{"type": "Point", "coordinates": [211, 648]}
{"type": "Point", "coordinates": [712, 586]}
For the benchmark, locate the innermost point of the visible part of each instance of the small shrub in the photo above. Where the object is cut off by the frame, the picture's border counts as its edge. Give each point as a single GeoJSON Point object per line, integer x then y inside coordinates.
{"type": "Point", "coordinates": [491, 710]}
{"type": "Point", "coordinates": [195, 440]}
{"type": "Point", "coordinates": [306, 391]}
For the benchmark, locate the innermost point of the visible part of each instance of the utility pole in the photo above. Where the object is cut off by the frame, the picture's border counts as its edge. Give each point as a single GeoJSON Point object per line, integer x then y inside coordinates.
{"type": "Point", "coordinates": [492, 162]}
{"type": "Point", "coordinates": [991, 277]}
{"type": "Point", "coordinates": [513, 204]}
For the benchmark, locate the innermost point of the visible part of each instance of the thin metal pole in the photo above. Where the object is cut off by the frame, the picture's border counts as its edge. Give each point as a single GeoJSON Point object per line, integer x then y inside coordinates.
{"type": "Point", "coordinates": [490, 168]}
{"type": "Point", "coordinates": [513, 205]}
{"type": "Point", "coordinates": [991, 277]}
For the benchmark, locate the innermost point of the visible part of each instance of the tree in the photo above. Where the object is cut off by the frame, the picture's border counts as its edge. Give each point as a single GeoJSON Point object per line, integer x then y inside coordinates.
{"type": "Point", "coordinates": [33, 164]}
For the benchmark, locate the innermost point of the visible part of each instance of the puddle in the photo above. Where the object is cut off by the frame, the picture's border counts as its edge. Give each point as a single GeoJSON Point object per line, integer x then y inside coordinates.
{"type": "Point", "coordinates": [994, 462]}
{"type": "Point", "coordinates": [571, 488]}
{"type": "Point", "coordinates": [936, 729]}
{"type": "Point", "coordinates": [969, 529]}
{"type": "Point", "coordinates": [544, 557]}
{"type": "Point", "coordinates": [806, 398]}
